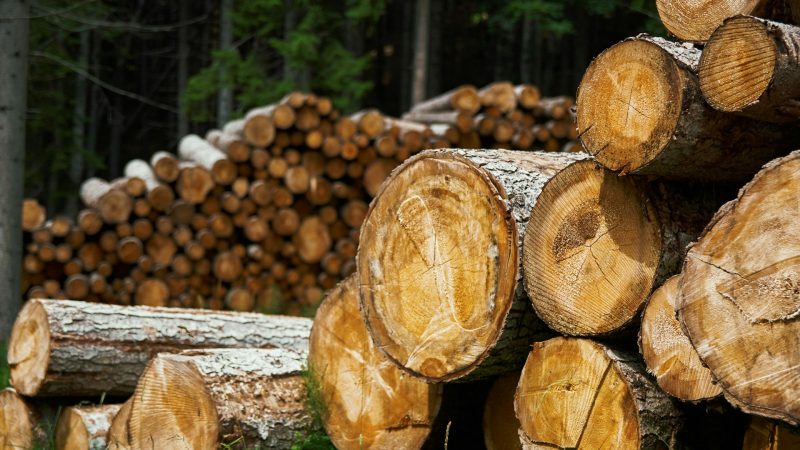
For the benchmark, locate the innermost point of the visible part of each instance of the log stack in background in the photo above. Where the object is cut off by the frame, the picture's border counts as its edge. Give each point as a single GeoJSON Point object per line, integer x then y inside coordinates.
{"type": "Point", "coordinates": [265, 213]}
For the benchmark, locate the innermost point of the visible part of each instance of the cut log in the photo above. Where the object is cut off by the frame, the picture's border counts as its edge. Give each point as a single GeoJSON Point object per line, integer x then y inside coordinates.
{"type": "Point", "coordinates": [370, 122]}
{"type": "Point", "coordinates": [152, 292]}
{"type": "Point", "coordinates": [159, 195]}
{"type": "Point", "coordinates": [443, 235]}
{"type": "Point", "coordinates": [90, 221]}
{"type": "Point", "coordinates": [259, 130]}
{"type": "Point", "coordinates": [17, 421]}
{"type": "Point", "coordinates": [692, 20]}
{"type": "Point", "coordinates": [598, 244]}
{"type": "Point", "coordinates": [750, 67]}
{"type": "Point", "coordinates": [84, 427]}
{"type": "Point", "coordinates": [206, 399]}
{"type": "Point", "coordinates": [763, 434]}
{"type": "Point", "coordinates": [367, 402]}
{"type": "Point", "coordinates": [33, 214]}
{"type": "Point", "coordinates": [500, 424]}
{"type": "Point", "coordinates": [376, 173]}
{"type": "Point", "coordinates": [667, 351]}
{"type": "Point", "coordinates": [118, 437]}
{"type": "Point", "coordinates": [312, 240]}
{"type": "Point", "coordinates": [528, 96]}
{"type": "Point", "coordinates": [194, 148]}
{"type": "Point", "coordinates": [500, 95]}
{"type": "Point", "coordinates": [739, 301]}
{"type": "Point", "coordinates": [576, 393]}
{"type": "Point", "coordinates": [228, 266]}
{"type": "Point", "coordinates": [54, 345]}
{"type": "Point", "coordinates": [463, 98]}
{"type": "Point", "coordinates": [282, 115]}
{"type": "Point", "coordinates": [165, 166]}
{"type": "Point", "coordinates": [664, 126]}
{"type": "Point", "coordinates": [114, 205]}
{"type": "Point", "coordinates": [194, 183]}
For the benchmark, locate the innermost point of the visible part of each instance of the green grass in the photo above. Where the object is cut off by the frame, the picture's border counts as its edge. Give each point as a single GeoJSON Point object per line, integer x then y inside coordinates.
{"type": "Point", "coordinates": [314, 438]}
{"type": "Point", "coordinates": [3, 365]}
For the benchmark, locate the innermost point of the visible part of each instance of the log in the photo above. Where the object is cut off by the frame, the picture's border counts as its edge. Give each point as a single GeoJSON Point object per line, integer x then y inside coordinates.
{"type": "Point", "coordinates": [589, 269]}
{"type": "Point", "coordinates": [227, 266]}
{"type": "Point", "coordinates": [205, 399]}
{"type": "Point", "coordinates": [312, 240]}
{"type": "Point", "coordinates": [577, 393]}
{"type": "Point", "coordinates": [259, 130]}
{"type": "Point", "coordinates": [118, 437]}
{"type": "Point", "coordinates": [667, 129]}
{"type": "Point", "coordinates": [17, 421]}
{"type": "Point", "coordinates": [159, 194]}
{"type": "Point", "coordinates": [194, 183]}
{"type": "Point", "coordinates": [114, 205]}
{"type": "Point", "coordinates": [667, 351]}
{"type": "Point", "coordinates": [463, 99]}
{"type": "Point", "coordinates": [691, 20]}
{"type": "Point", "coordinates": [54, 345]}
{"type": "Point", "coordinates": [152, 292]}
{"type": "Point", "coordinates": [367, 402]}
{"type": "Point", "coordinates": [196, 149]}
{"type": "Point", "coordinates": [376, 173]}
{"type": "Point", "coordinates": [33, 214]}
{"type": "Point", "coordinates": [750, 67]}
{"type": "Point", "coordinates": [370, 122]}
{"type": "Point", "coordinates": [283, 116]}
{"type": "Point", "coordinates": [90, 221]}
{"type": "Point", "coordinates": [165, 166]}
{"type": "Point", "coordinates": [528, 96]}
{"type": "Point", "coordinates": [500, 95]}
{"type": "Point", "coordinates": [462, 310]}
{"type": "Point", "coordinates": [500, 424]}
{"type": "Point", "coordinates": [738, 294]}
{"type": "Point", "coordinates": [84, 427]}
{"type": "Point", "coordinates": [763, 434]}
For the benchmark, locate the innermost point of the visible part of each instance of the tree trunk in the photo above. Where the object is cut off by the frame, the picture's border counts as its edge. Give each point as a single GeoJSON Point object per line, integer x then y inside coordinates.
{"type": "Point", "coordinates": [590, 267]}
{"type": "Point", "coordinates": [751, 67]}
{"type": "Point", "coordinates": [225, 96]}
{"type": "Point", "coordinates": [664, 126]}
{"type": "Point", "coordinates": [13, 88]}
{"type": "Point", "coordinates": [695, 21]}
{"type": "Point", "coordinates": [420, 68]}
{"type": "Point", "coordinates": [577, 393]}
{"type": "Point", "coordinates": [79, 122]}
{"type": "Point", "coordinates": [84, 427]}
{"type": "Point", "coordinates": [237, 398]}
{"type": "Point", "coordinates": [738, 294]}
{"type": "Point", "coordinates": [667, 351]}
{"type": "Point", "coordinates": [55, 345]}
{"type": "Point", "coordinates": [454, 262]}
{"type": "Point", "coordinates": [367, 402]}
{"type": "Point", "coordinates": [500, 424]}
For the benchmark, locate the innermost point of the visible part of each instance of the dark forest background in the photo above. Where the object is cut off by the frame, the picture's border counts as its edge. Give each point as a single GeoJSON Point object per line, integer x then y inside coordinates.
{"type": "Point", "coordinates": [114, 80]}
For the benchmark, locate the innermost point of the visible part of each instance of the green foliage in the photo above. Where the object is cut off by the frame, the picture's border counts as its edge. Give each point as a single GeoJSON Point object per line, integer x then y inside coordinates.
{"type": "Point", "coordinates": [314, 438]}
{"type": "Point", "coordinates": [4, 371]}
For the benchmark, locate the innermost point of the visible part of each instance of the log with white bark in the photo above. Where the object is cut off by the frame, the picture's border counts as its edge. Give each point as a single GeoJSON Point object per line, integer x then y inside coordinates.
{"type": "Point", "coordinates": [237, 398]}
{"type": "Point", "coordinates": [463, 99]}
{"type": "Point", "coordinates": [84, 427]}
{"type": "Point", "coordinates": [443, 234]}
{"type": "Point", "coordinates": [739, 301]}
{"type": "Point", "coordinates": [165, 166]}
{"type": "Point", "coordinates": [114, 205]}
{"type": "Point", "coordinates": [194, 148]}
{"type": "Point", "coordinates": [368, 401]}
{"type": "Point", "coordinates": [61, 347]}
{"type": "Point", "coordinates": [159, 194]}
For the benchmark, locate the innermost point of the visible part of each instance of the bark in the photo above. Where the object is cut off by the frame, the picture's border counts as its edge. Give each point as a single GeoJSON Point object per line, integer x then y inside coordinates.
{"type": "Point", "coordinates": [751, 67]}
{"type": "Point", "coordinates": [84, 427]}
{"type": "Point", "coordinates": [239, 398]}
{"type": "Point", "coordinates": [60, 347]}
{"type": "Point", "coordinates": [738, 294]}
{"type": "Point", "coordinates": [13, 88]}
{"type": "Point", "coordinates": [667, 129]}
{"type": "Point", "coordinates": [577, 393]}
{"type": "Point", "coordinates": [478, 306]}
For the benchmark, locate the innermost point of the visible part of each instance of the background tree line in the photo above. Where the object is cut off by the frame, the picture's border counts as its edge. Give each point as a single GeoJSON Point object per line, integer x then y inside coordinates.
{"type": "Point", "coordinates": [111, 81]}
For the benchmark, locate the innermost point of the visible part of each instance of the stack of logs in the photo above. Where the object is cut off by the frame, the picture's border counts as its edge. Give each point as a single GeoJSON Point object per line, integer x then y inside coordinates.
{"type": "Point", "coordinates": [263, 214]}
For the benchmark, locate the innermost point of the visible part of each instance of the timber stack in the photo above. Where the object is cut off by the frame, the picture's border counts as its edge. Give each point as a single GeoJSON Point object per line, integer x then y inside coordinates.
{"type": "Point", "coordinates": [263, 214]}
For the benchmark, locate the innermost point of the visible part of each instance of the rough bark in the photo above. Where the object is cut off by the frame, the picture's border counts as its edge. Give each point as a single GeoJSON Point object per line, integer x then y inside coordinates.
{"type": "Point", "coordinates": [577, 393]}
{"type": "Point", "coordinates": [64, 347]}
{"type": "Point", "coordinates": [454, 262]}
{"type": "Point", "coordinates": [194, 148]}
{"type": "Point", "coordinates": [500, 424]}
{"type": "Point", "coordinates": [84, 427]}
{"type": "Point", "coordinates": [640, 110]}
{"type": "Point", "coordinates": [203, 399]}
{"type": "Point", "coordinates": [738, 294]}
{"type": "Point", "coordinates": [751, 67]}
{"type": "Point", "coordinates": [368, 401]}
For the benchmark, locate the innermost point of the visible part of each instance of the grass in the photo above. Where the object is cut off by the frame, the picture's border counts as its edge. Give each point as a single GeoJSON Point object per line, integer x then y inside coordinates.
{"type": "Point", "coordinates": [314, 438]}
{"type": "Point", "coordinates": [4, 371]}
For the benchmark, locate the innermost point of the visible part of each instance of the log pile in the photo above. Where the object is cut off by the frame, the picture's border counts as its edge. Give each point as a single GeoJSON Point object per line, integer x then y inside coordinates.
{"type": "Point", "coordinates": [263, 214]}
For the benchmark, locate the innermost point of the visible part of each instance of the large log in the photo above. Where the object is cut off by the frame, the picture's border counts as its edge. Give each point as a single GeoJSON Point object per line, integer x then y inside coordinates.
{"type": "Point", "coordinates": [751, 66]}
{"type": "Point", "coordinates": [739, 301]}
{"type": "Point", "coordinates": [693, 20]}
{"type": "Point", "coordinates": [84, 427]}
{"type": "Point", "coordinates": [597, 244]}
{"type": "Point", "coordinates": [114, 205]}
{"type": "Point", "coordinates": [205, 399]}
{"type": "Point", "coordinates": [367, 401]}
{"type": "Point", "coordinates": [577, 393]}
{"type": "Point", "coordinates": [60, 347]}
{"type": "Point", "coordinates": [500, 424]}
{"type": "Point", "coordinates": [640, 110]}
{"type": "Point", "coordinates": [667, 351]}
{"type": "Point", "coordinates": [194, 148]}
{"type": "Point", "coordinates": [443, 234]}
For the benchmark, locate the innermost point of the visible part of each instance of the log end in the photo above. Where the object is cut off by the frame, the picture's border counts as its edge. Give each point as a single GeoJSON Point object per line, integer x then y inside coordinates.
{"type": "Point", "coordinates": [591, 251]}
{"type": "Point", "coordinates": [696, 20]}
{"type": "Point", "coordinates": [29, 349]}
{"type": "Point", "coordinates": [16, 421]}
{"type": "Point", "coordinates": [738, 64]}
{"type": "Point", "coordinates": [440, 236]}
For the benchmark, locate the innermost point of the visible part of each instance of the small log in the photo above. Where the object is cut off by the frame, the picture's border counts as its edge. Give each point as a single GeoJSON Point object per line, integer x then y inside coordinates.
{"type": "Point", "coordinates": [500, 424]}
{"type": "Point", "coordinates": [370, 122]}
{"type": "Point", "coordinates": [194, 183]}
{"type": "Point", "coordinates": [54, 343]}
{"type": "Point", "coordinates": [33, 214]}
{"type": "Point", "coordinates": [259, 130]}
{"type": "Point", "coordinates": [396, 411]}
{"type": "Point", "coordinates": [114, 205]}
{"type": "Point", "coordinates": [750, 67]}
{"type": "Point", "coordinates": [84, 427]}
{"type": "Point", "coordinates": [165, 166]}
{"type": "Point", "coordinates": [312, 239]}
{"type": "Point", "coordinates": [282, 115]}
{"type": "Point", "coordinates": [240, 299]}
{"type": "Point", "coordinates": [227, 266]}
{"type": "Point", "coordinates": [528, 96]}
{"type": "Point", "coordinates": [196, 149]}
{"type": "Point", "coordinates": [159, 195]}
{"type": "Point", "coordinates": [500, 95]}
{"type": "Point", "coordinates": [90, 221]}
{"type": "Point", "coordinates": [577, 393]}
{"type": "Point", "coordinates": [239, 398]}
{"type": "Point", "coordinates": [152, 292]}
{"type": "Point", "coordinates": [738, 294]}
{"type": "Point", "coordinates": [463, 98]}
